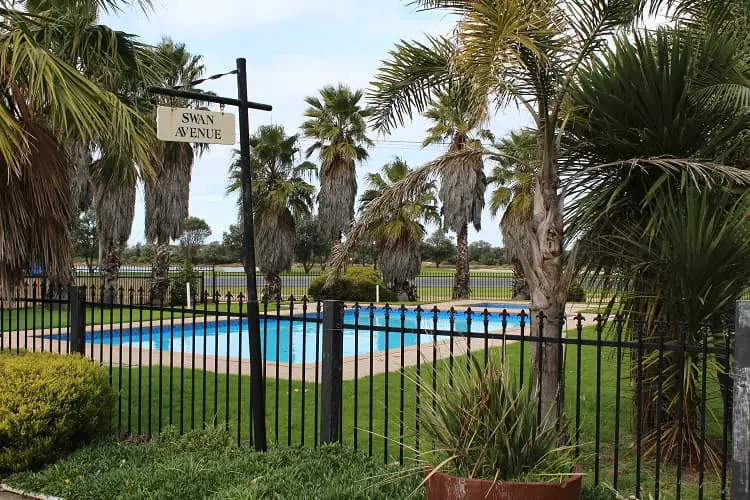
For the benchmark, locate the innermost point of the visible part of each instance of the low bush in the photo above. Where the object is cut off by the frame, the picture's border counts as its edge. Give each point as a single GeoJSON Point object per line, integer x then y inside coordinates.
{"type": "Point", "coordinates": [49, 405]}
{"type": "Point", "coordinates": [355, 284]}
{"type": "Point", "coordinates": [178, 290]}
{"type": "Point", "coordinates": [576, 293]}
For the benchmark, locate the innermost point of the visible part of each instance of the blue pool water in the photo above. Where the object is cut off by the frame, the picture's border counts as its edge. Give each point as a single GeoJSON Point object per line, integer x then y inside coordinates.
{"type": "Point", "coordinates": [294, 340]}
{"type": "Point", "coordinates": [500, 305]}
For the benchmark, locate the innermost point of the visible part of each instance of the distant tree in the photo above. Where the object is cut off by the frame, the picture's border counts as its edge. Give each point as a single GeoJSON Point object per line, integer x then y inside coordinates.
{"type": "Point", "coordinates": [483, 253]}
{"type": "Point", "coordinates": [310, 244]}
{"type": "Point", "coordinates": [85, 241]}
{"type": "Point", "coordinates": [231, 240]}
{"type": "Point", "coordinates": [439, 248]}
{"type": "Point", "coordinates": [195, 232]}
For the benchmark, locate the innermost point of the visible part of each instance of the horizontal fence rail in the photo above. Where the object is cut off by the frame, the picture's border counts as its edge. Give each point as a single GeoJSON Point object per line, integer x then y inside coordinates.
{"type": "Point", "coordinates": [187, 366]}
{"type": "Point", "coordinates": [431, 286]}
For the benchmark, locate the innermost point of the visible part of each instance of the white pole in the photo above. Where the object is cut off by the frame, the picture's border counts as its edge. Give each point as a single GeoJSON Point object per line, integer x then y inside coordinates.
{"type": "Point", "coordinates": [377, 293]}
{"type": "Point", "coordinates": [187, 288]}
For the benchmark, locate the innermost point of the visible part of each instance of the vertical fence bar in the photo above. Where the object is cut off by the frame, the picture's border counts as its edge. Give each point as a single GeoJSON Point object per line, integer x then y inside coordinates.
{"type": "Point", "coordinates": [639, 410]}
{"type": "Point", "coordinates": [680, 407]}
{"type": "Point", "coordinates": [659, 403]}
{"type": "Point", "coordinates": [418, 387]}
{"type": "Point", "coordinates": [333, 345]}
{"type": "Point", "coordinates": [371, 378]}
{"type": "Point", "coordinates": [704, 397]}
{"type": "Point", "coordinates": [77, 297]}
{"type": "Point", "coordinates": [597, 431]}
{"type": "Point", "coordinates": [290, 389]}
{"type": "Point", "coordinates": [618, 327]}
{"type": "Point", "coordinates": [318, 364]}
{"type": "Point", "coordinates": [579, 330]}
{"type": "Point", "coordinates": [356, 374]}
{"type": "Point", "coordinates": [741, 404]}
{"type": "Point", "coordinates": [387, 317]}
{"type": "Point", "coordinates": [228, 354]}
{"type": "Point", "coordinates": [402, 377]}
{"type": "Point", "coordinates": [726, 370]}
{"type": "Point", "coordinates": [303, 390]}
{"type": "Point", "coordinates": [522, 326]}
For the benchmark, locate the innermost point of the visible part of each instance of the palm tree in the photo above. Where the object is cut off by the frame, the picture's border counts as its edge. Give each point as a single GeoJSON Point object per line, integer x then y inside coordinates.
{"type": "Point", "coordinates": [516, 158]}
{"type": "Point", "coordinates": [167, 193]}
{"type": "Point", "coordinates": [54, 101]}
{"type": "Point", "coordinates": [462, 181]}
{"type": "Point", "coordinates": [337, 123]}
{"type": "Point", "coordinates": [671, 233]}
{"type": "Point", "coordinates": [399, 233]}
{"type": "Point", "coordinates": [114, 178]}
{"type": "Point", "coordinates": [281, 198]}
{"type": "Point", "coordinates": [502, 51]}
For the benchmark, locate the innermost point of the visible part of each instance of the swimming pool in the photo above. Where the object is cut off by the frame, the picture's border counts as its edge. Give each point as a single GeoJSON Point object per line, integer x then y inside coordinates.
{"type": "Point", "coordinates": [500, 305]}
{"type": "Point", "coordinates": [294, 340]}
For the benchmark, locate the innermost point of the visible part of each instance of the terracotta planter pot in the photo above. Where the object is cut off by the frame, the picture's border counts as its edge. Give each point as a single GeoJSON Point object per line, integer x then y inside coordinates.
{"type": "Point", "coordinates": [444, 487]}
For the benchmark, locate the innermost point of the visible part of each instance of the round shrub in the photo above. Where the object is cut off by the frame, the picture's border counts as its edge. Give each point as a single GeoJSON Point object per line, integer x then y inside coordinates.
{"type": "Point", "coordinates": [576, 293]}
{"type": "Point", "coordinates": [355, 284]}
{"type": "Point", "coordinates": [49, 405]}
{"type": "Point", "coordinates": [187, 274]}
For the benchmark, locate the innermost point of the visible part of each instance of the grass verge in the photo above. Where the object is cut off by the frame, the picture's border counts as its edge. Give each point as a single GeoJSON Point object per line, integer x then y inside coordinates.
{"type": "Point", "coordinates": [210, 465]}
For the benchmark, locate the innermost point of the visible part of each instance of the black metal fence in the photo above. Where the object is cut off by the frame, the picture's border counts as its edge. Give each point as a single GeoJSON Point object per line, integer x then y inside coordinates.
{"type": "Point", "coordinates": [188, 367]}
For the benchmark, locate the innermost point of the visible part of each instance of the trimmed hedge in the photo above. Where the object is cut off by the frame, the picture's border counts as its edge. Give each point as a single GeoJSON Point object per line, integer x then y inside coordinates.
{"type": "Point", "coordinates": [355, 284]}
{"type": "Point", "coordinates": [576, 293]}
{"type": "Point", "coordinates": [49, 405]}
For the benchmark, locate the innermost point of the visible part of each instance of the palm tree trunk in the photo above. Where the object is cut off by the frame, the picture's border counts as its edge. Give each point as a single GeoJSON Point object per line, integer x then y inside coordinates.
{"type": "Point", "coordinates": [160, 273]}
{"type": "Point", "coordinates": [111, 273]}
{"type": "Point", "coordinates": [543, 267]}
{"type": "Point", "coordinates": [520, 290]}
{"type": "Point", "coordinates": [461, 278]}
{"type": "Point", "coordinates": [273, 287]}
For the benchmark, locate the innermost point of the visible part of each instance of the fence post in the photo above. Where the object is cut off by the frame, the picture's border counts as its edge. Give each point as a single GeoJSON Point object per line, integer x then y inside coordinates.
{"type": "Point", "coordinates": [333, 352]}
{"type": "Point", "coordinates": [77, 327]}
{"type": "Point", "coordinates": [213, 280]}
{"type": "Point", "coordinates": [741, 404]}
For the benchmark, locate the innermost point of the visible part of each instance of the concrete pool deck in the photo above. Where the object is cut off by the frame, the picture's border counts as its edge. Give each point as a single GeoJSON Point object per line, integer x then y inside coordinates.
{"type": "Point", "coordinates": [353, 366]}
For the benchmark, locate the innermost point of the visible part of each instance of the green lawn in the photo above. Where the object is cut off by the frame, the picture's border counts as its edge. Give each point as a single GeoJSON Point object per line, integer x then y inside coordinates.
{"type": "Point", "coordinates": [209, 465]}
{"type": "Point", "coordinates": [187, 399]}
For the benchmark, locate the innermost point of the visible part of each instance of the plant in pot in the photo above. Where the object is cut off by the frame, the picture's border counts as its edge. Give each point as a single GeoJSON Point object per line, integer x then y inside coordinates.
{"type": "Point", "coordinates": [489, 443]}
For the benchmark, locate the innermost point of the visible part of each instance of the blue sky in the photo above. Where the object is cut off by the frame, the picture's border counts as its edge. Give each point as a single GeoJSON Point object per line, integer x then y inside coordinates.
{"type": "Point", "coordinates": [293, 48]}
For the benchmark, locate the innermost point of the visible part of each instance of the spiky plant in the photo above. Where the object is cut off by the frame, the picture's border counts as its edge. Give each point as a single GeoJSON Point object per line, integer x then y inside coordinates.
{"type": "Point", "coordinates": [337, 123]}
{"type": "Point", "coordinates": [487, 427]}
{"type": "Point", "coordinates": [665, 230]}
{"type": "Point", "coordinates": [167, 192]}
{"type": "Point", "coordinates": [399, 233]}
{"type": "Point", "coordinates": [516, 158]}
{"type": "Point", "coordinates": [281, 197]}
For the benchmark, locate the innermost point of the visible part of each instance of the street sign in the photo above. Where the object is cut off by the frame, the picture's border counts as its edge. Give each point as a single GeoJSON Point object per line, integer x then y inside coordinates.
{"type": "Point", "coordinates": [194, 125]}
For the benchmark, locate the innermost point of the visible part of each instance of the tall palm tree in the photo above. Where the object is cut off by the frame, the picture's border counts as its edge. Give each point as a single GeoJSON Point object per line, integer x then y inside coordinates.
{"type": "Point", "coordinates": [337, 123]}
{"type": "Point", "coordinates": [462, 181]}
{"type": "Point", "coordinates": [513, 174]}
{"type": "Point", "coordinates": [524, 53]}
{"type": "Point", "coordinates": [399, 233]}
{"type": "Point", "coordinates": [167, 192]}
{"type": "Point", "coordinates": [55, 100]}
{"type": "Point", "coordinates": [281, 196]}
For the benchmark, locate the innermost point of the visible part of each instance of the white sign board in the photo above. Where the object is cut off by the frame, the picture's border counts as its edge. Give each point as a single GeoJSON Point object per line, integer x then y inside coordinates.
{"type": "Point", "coordinates": [194, 125]}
